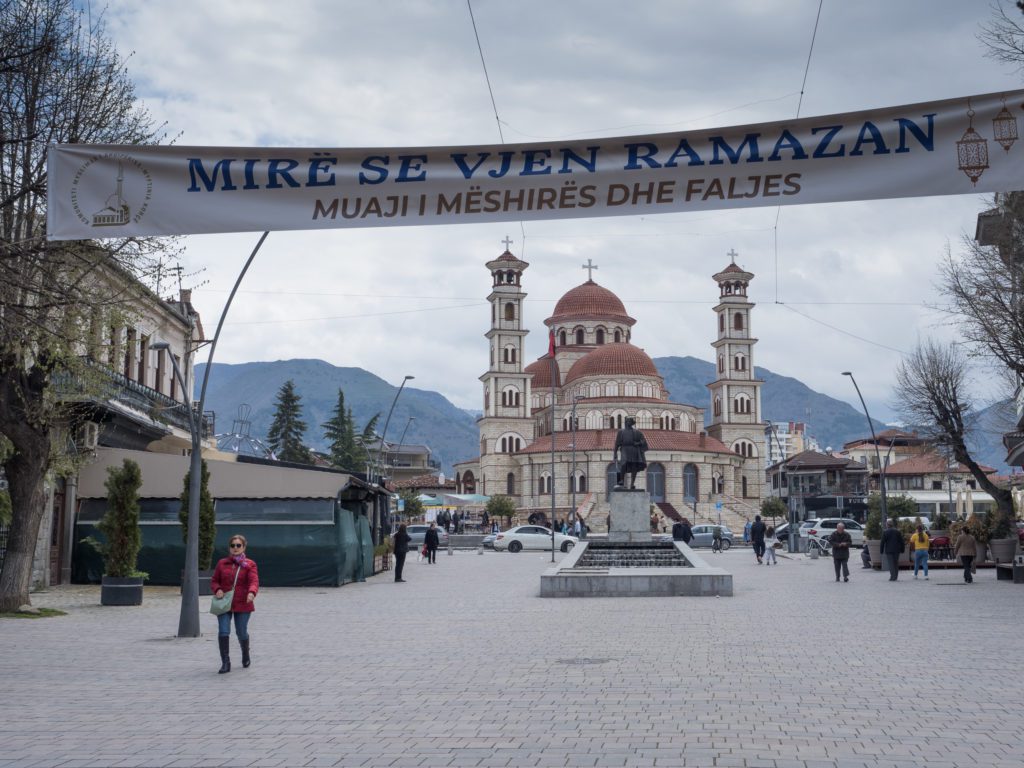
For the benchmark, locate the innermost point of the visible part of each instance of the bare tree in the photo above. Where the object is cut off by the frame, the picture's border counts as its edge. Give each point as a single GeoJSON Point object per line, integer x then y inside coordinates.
{"type": "Point", "coordinates": [931, 390]}
{"type": "Point", "coordinates": [61, 81]}
{"type": "Point", "coordinates": [1003, 35]}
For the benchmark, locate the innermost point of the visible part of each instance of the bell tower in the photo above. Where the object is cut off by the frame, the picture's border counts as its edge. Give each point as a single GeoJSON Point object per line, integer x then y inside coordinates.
{"type": "Point", "coordinates": [506, 425]}
{"type": "Point", "coordinates": [736, 417]}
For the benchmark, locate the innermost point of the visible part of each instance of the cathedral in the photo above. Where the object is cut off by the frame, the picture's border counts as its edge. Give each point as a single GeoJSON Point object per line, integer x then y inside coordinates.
{"type": "Point", "coordinates": [547, 433]}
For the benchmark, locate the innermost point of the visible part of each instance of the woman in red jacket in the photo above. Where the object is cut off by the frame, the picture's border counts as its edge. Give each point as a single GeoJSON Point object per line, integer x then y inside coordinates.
{"type": "Point", "coordinates": [242, 602]}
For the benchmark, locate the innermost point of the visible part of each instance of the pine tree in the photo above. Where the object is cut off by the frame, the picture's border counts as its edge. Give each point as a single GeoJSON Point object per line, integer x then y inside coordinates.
{"type": "Point", "coordinates": [340, 433]}
{"type": "Point", "coordinates": [207, 516]}
{"type": "Point", "coordinates": [287, 430]}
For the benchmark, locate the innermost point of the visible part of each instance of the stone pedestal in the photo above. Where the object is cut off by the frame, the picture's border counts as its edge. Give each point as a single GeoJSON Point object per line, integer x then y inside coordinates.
{"type": "Point", "coordinates": [630, 516]}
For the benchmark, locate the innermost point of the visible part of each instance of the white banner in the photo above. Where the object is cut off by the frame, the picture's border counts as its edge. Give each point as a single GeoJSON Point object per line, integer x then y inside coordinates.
{"type": "Point", "coordinates": [951, 147]}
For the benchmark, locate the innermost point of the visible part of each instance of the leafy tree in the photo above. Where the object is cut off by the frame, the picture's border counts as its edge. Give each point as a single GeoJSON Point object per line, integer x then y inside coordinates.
{"type": "Point", "coordinates": [413, 505]}
{"type": "Point", "coordinates": [773, 507]}
{"type": "Point", "coordinates": [120, 524]}
{"type": "Point", "coordinates": [501, 506]}
{"type": "Point", "coordinates": [207, 516]}
{"type": "Point", "coordinates": [897, 506]}
{"type": "Point", "coordinates": [61, 81]}
{"type": "Point", "coordinates": [287, 430]}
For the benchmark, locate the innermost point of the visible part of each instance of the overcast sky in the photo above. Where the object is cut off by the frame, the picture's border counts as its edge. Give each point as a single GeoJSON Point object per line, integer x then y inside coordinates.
{"type": "Point", "coordinates": [838, 287]}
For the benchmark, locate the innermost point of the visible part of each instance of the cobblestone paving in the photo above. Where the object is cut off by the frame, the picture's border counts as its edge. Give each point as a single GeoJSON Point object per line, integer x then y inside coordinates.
{"type": "Point", "coordinates": [465, 666]}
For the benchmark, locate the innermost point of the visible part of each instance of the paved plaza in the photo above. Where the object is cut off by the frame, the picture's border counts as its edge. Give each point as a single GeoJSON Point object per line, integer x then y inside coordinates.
{"type": "Point", "coordinates": [465, 665]}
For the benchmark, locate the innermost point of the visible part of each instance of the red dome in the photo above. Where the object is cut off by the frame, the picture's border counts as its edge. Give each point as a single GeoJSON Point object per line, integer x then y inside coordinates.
{"type": "Point", "coordinates": [613, 360]}
{"type": "Point", "coordinates": [541, 372]}
{"type": "Point", "coordinates": [590, 302]}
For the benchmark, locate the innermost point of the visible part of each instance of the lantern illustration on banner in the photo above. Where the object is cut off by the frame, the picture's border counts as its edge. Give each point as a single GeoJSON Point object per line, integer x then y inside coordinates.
{"type": "Point", "coordinates": [1004, 127]}
{"type": "Point", "coordinates": [972, 150]}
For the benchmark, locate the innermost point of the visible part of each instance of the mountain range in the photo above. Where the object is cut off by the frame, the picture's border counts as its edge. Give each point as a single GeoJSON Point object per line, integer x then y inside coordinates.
{"type": "Point", "coordinates": [451, 432]}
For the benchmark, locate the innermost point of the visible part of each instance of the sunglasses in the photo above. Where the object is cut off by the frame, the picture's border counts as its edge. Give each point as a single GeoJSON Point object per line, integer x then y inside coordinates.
{"type": "Point", "coordinates": [235, 546]}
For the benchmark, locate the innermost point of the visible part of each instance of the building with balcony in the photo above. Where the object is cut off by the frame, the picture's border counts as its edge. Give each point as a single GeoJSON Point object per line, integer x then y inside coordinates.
{"type": "Point", "coordinates": [814, 484]}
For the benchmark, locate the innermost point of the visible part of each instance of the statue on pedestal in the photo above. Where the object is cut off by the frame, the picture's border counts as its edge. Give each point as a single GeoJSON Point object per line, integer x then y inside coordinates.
{"type": "Point", "coordinates": [630, 454]}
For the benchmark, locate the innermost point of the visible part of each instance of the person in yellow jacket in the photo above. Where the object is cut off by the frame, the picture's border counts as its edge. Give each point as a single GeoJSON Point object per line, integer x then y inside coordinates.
{"type": "Point", "coordinates": [919, 544]}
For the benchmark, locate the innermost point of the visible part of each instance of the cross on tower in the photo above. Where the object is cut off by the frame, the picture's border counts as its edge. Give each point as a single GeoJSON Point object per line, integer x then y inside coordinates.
{"type": "Point", "coordinates": [732, 255]}
{"type": "Point", "coordinates": [590, 267]}
{"type": "Point", "coordinates": [508, 243]}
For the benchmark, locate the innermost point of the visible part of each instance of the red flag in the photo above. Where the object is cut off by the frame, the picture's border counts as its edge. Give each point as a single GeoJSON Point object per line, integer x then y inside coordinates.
{"type": "Point", "coordinates": [551, 342]}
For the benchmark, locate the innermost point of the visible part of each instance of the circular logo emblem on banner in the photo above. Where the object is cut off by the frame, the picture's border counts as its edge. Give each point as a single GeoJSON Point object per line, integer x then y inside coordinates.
{"type": "Point", "coordinates": [111, 190]}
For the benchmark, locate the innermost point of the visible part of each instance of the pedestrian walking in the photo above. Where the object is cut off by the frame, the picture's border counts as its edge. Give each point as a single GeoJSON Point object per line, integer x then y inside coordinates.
{"type": "Point", "coordinates": [687, 532]}
{"type": "Point", "coordinates": [757, 531]}
{"type": "Point", "coordinates": [966, 549]}
{"type": "Point", "coordinates": [769, 544]}
{"type": "Point", "coordinates": [677, 530]}
{"type": "Point", "coordinates": [746, 532]}
{"type": "Point", "coordinates": [841, 543]}
{"type": "Point", "coordinates": [431, 541]}
{"type": "Point", "coordinates": [235, 572]}
{"type": "Point", "coordinates": [401, 547]}
{"type": "Point", "coordinates": [892, 548]}
{"type": "Point", "coordinates": [919, 545]}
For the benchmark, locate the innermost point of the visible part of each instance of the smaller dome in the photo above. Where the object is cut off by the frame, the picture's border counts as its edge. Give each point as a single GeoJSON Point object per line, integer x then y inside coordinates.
{"type": "Point", "coordinates": [541, 372]}
{"type": "Point", "coordinates": [613, 360]}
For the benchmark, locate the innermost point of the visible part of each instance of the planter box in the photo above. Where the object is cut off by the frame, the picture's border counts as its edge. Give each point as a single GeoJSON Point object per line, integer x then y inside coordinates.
{"type": "Point", "coordinates": [875, 550]}
{"type": "Point", "coordinates": [1003, 550]}
{"type": "Point", "coordinates": [121, 591]}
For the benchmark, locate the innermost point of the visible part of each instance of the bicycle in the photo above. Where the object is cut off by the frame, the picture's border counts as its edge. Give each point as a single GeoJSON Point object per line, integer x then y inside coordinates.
{"type": "Point", "coordinates": [821, 545]}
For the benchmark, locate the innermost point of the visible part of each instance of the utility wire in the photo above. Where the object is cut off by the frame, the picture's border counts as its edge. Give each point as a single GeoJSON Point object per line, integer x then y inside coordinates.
{"type": "Point", "coordinates": [494, 105]}
{"type": "Point", "coordinates": [799, 104]}
{"type": "Point", "coordinates": [840, 330]}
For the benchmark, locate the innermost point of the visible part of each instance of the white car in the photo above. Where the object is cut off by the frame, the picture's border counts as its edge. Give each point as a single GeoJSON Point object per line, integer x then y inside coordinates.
{"type": "Point", "coordinates": [824, 527]}
{"type": "Point", "coordinates": [532, 537]}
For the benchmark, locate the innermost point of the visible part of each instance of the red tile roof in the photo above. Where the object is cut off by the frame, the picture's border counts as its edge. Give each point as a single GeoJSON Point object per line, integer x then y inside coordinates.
{"type": "Point", "coordinates": [604, 440]}
{"type": "Point", "coordinates": [590, 301]}
{"type": "Point", "coordinates": [613, 360]}
{"type": "Point", "coordinates": [541, 371]}
{"type": "Point", "coordinates": [929, 464]}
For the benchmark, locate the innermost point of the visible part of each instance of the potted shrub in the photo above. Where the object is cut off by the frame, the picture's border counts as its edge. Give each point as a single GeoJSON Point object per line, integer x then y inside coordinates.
{"type": "Point", "coordinates": [873, 531]}
{"type": "Point", "coordinates": [940, 525]}
{"type": "Point", "coordinates": [1002, 538]}
{"type": "Point", "coordinates": [908, 528]}
{"type": "Point", "coordinates": [207, 526]}
{"type": "Point", "coordinates": [122, 581]}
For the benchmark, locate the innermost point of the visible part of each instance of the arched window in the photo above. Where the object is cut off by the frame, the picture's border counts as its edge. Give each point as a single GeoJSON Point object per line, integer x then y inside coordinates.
{"type": "Point", "coordinates": [594, 390]}
{"type": "Point", "coordinates": [510, 311]}
{"type": "Point", "coordinates": [744, 487]}
{"type": "Point", "coordinates": [509, 355]}
{"type": "Point", "coordinates": [510, 484]}
{"type": "Point", "coordinates": [719, 484]}
{"type": "Point", "coordinates": [468, 482]}
{"type": "Point", "coordinates": [745, 448]}
{"type": "Point", "coordinates": [510, 397]}
{"type": "Point", "coordinates": [611, 389]}
{"type": "Point", "coordinates": [656, 482]}
{"type": "Point", "coordinates": [581, 483]}
{"type": "Point", "coordinates": [647, 390]}
{"type": "Point", "coordinates": [618, 420]}
{"type": "Point", "coordinates": [644, 420]}
{"type": "Point", "coordinates": [544, 484]}
{"type": "Point", "coordinates": [579, 335]}
{"type": "Point", "coordinates": [618, 336]}
{"type": "Point", "coordinates": [510, 277]}
{"type": "Point", "coordinates": [600, 335]}
{"type": "Point", "coordinates": [721, 363]}
{"type": "Point", "coordinates": [611, 473]}
{"type": "Point", "coordinates": [561, 338]}
{"type": "Point", "coordinates": [740, 362]}
{"type": "Point", "coordinates": [594, 420]}
{"type": "Point", "coordinates": [741, 404]}
{"type": "Point", "coordinates": [737, 321]}
{"type": "Point", "coordinates": [690, 478]}
{"type": "Point", "coordinates": [721, 322]}
{"type": "Point", "coordinates": [630, 389]}
{"type": "Point", "coordinates": [718, 406]}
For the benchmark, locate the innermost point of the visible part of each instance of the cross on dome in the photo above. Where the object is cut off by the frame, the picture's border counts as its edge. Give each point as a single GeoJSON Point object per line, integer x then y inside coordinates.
{"type": "Point", "coordinates": [590, 267]}
{"type": "Point", "coordinates": [508, 243]}
{"type": "Point", "coordinates": [732, 255]}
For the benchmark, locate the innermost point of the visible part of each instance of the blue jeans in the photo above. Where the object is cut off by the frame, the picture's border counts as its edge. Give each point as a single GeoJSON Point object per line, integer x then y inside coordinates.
{"type": "Point", "coordinates": [241, 624]}
{"type": "Point", "coordinates": [921, 561]}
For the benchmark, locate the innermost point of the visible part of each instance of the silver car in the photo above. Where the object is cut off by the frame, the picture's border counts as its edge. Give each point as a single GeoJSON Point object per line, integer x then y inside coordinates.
{"type": "Point", "coordinates": [417, 532]}
{"type": "Point", "coordinates": [703, 535]}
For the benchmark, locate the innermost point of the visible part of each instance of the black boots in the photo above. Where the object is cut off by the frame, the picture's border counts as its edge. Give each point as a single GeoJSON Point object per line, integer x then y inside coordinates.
{"type": "Point", "coordinates": [225, 653]}
{"type": "Point", "coordinates": [246, 661]}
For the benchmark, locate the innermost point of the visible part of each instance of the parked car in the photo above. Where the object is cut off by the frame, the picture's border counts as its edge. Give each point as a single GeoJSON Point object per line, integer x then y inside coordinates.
{"type": "Point", "coordinates": [703, 534]}
{"type": "Point", "coordinates": [488, 542]}
{"type": "Point", "coordinates": [782, 533]}
{"type": "Point", "coordinates": [825, 526]}
{"type": "Point", "coordinates": [532, 537]}
{"type": "Point", "coordinates": [417, 532]}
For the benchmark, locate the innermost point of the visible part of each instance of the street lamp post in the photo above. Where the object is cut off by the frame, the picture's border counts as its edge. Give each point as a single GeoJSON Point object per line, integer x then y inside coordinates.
{"type": "Point", "coordinates": [401, 441]}
{"type": "Point", "coordinates": [878, 455]}
{"type": "Point", "coordinates": [384, 434]}
{"type": "Point", "coordinates": [188, 620]}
